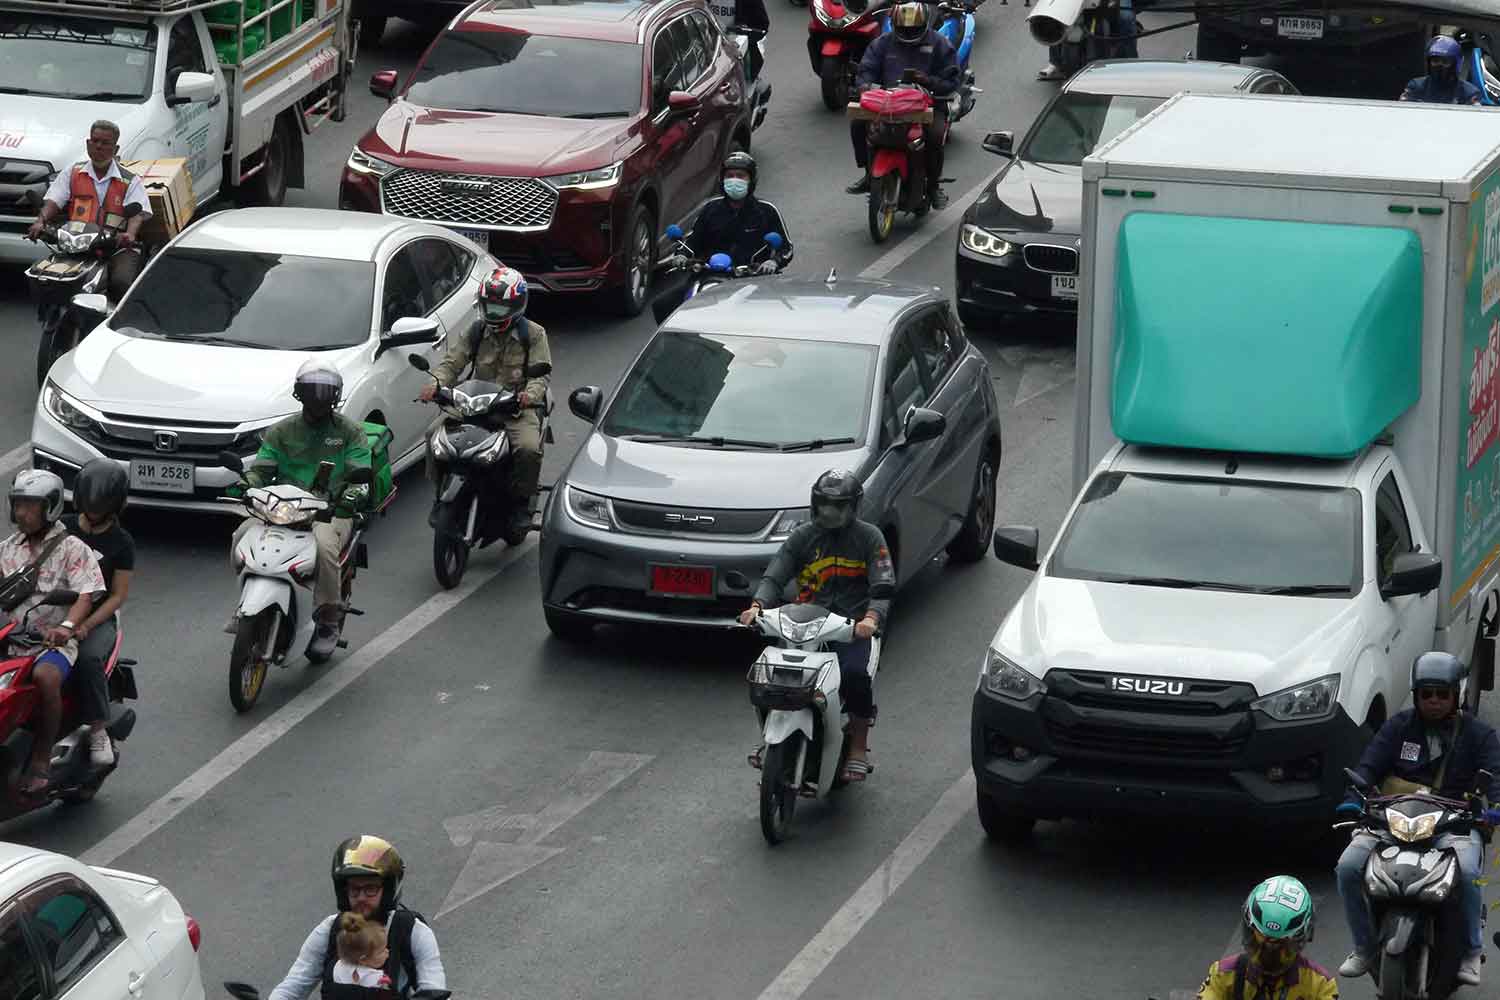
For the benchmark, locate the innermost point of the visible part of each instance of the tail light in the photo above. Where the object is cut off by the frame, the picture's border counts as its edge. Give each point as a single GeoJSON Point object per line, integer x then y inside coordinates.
{"type": "Point", "coordinates": [195, 933]}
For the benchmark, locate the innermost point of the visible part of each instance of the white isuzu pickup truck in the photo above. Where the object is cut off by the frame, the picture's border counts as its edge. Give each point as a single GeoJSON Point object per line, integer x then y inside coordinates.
{"type": "Point", "coordinates": [1288, 405]}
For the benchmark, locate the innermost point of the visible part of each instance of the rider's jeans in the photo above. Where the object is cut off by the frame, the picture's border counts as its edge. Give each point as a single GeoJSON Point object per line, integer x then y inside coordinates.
{"type": "Point", "coordinates": [1350, 873]}
{"type": "Point", "coordinates": [331, 537]}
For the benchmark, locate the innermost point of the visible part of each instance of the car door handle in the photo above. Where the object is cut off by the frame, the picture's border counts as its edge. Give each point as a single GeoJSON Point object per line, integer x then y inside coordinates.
{"type": "Point", "coordinates": [213, 101]}
{"type": "Point", "coordinates": [136, 982]}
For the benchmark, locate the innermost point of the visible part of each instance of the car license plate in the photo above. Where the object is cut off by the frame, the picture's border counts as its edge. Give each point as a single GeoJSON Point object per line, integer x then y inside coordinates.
{"type": "Point", "coordinates": [480, 236]}
{"type": "Point", "coordinates": [1299, 27]}
{"type": "Point", "coordinates": [1065, 286]}
{"type": "Point", "coordinates": [682, 581]}
{"type": "Point", "coordinates": [161, 477]}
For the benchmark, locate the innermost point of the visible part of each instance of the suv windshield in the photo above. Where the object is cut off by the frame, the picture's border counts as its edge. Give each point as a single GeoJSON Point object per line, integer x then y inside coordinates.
{"type": "Point", "coordinates": [752, 389]}
{"type": "Point", "coordinates": [1212, 533]}
{"type": "Point", "coordinates": [60, 56]}
{"type": "Point", "coordinates": [1078, 123]}
{"type": "Point", "coordinates": [275, 302]}
{"type": "Point", "coordinates": [516, 73]}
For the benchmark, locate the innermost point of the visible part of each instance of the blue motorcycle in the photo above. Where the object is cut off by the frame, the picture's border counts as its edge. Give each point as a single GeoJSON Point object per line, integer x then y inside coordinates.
{"type": "Point", "coordinates": [957, 24]}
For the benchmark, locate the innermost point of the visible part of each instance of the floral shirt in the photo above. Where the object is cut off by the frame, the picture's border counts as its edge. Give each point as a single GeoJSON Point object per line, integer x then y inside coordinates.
{"type": "Point", "coordinates": [71, 566]}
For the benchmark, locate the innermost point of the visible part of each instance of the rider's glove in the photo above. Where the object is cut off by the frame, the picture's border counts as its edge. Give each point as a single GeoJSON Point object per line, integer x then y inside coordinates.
{"type": "Point", "coordinates": [766, 267]}
{"type": "Point", "coordinates": [677, 261]}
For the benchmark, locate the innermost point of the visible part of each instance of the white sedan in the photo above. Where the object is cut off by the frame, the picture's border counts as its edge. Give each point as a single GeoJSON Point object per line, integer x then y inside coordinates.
{"type": "Point", "coordinates": [199, 356]}
{"type": "Point", "coordinates": [69, 930]}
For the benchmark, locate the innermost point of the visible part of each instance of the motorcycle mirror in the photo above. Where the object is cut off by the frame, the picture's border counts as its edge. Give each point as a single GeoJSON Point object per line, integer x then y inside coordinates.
{"type": "Point", "coordinates": [774, 241]}
{"type": "Point", "coordinates": [242, 991]}
{"type": "Point", "coordinates": [674, 232]}
{"type": "Point", "coordinates": [60, 598]}
{"type": "Point", "coordinates": [362, 476]}
{"type": "Point", "coordinates": [1356, 780]}
{"type": "Point", "coordinates": [231, 461]}
{"type": "Point", "coordinates": [91, 302]}
{"type": "Point", "coordinates": [418, 362]}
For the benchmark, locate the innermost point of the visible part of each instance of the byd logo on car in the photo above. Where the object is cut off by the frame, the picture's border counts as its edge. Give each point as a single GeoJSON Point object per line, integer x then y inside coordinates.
{"type": "Point", "coordinates": [694, 520]}
{"type": "Point", "coordinates": [1142, 685]}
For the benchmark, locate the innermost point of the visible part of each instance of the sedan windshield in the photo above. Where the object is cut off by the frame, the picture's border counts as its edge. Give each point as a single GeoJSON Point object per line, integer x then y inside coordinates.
{"type": "Point", "coordinates": [1173, 532]}
{"type": "Point", "coordinates": [516, 73]}
{"type": "Point", "coordinates": [1078, 123]}
{"type": "Point", "coordinates": [51, 55]}
{"type": "Point", "coordinates": [276, 302]}
{"type": "Point", "coordinates": [747, 391]}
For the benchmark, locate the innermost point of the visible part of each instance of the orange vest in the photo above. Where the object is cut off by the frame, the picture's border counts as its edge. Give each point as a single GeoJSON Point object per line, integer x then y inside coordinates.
{"type": "Point", "coordinates": [83, 199]}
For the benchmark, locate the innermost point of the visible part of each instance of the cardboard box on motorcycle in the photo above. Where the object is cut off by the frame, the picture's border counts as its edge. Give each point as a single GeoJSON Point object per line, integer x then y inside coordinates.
{"type": "Point", "coordinates": [169, 184]}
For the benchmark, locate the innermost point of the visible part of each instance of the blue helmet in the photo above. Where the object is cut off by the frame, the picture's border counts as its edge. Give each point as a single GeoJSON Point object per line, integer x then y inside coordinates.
{"type": "Point", "coordinates": [1443, 47]}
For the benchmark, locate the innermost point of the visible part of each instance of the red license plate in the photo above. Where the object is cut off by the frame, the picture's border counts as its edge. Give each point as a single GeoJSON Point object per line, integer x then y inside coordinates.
{"type": "Point", "coordinates": [682, 581]}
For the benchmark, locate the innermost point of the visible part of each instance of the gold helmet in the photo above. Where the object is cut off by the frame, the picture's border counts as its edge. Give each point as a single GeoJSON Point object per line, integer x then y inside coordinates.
{"type": "Point", "coordinates": [368, 857]}
{"type": "Point", "coordinates": [909, 22]}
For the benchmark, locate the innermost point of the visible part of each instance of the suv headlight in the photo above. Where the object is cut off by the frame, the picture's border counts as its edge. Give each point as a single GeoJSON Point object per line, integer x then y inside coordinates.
{"type": "Point", "coordinates": [787, 522]}
{"type": "Point", "coordinates": [363, 163]}
{"type": "Point", "coordinates": [1313, 700]}
{"type": "Point", "coordinates": [68, 411]}
{"type": "Point", "coordinates": [983, 242]}
{"type": "Point", "coordinates": [1008, 679]}
{"type": "Point", "coordinates": [589, 508]}
{"type": "Point", "coordinates": [588, 180]}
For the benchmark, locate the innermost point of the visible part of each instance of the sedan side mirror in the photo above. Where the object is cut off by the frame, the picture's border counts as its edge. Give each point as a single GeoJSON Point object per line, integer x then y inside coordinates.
{"type": "Point", "coordinates": [585, 402]}
{"type": "Point", "coordinates": [383, 84]}
{"type": "Point", "coordinates": [1413, 573]}
{"type": "Point", "coordinates": [1017, 544]}
{"type": "Point", "coordinates": [922, 424]}
{"type": "Point", "coordinates": [1000, 143]}
{"type": "Point", "coordinates": [409, 330]}
{"type": "Point", "coordinates": [192, 88]}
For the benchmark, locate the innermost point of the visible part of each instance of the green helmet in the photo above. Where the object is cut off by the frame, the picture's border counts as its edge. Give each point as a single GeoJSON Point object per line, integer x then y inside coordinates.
{"type": "Point", "coordinates": [1280, 909]}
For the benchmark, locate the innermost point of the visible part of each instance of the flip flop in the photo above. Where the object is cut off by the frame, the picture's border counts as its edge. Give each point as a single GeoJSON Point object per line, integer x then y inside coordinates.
{"type": "Point", "coordinates": [856, 770]}
{"type": "Point", "coordinates": [754, 757]}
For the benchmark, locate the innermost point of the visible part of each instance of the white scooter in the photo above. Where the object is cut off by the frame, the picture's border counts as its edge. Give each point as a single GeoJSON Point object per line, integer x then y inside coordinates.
{"type": "Point", "coordinates": [273, 559]}
{"type": "Point", "coordinates": [795, 690]}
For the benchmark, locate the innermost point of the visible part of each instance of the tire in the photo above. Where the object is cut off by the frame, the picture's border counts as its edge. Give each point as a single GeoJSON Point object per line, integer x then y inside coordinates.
{"type": "Point", "coordinates": [778, 791]}
{"type": "Point", "coordinates": [973, 539]}
{"type": "Point", "coordinates": [247, 670]}
{"type": "Point", "coordinates": [1001, 825]}
{"type": "Point", "coordinates": [1393, 978]}
{"type": "Point", "coordinates": [268, 186]}
{"type": "Point", "coordinates": [835, 81]}
{"type": "Point", "coordinates": [53, 344]}
{"type": "Point", "coordinates": [640, 260]}
{"type": "Point", "coordinates": [567, 626]}
{"type": "Point", "coordinates": [885, 194]}
{"type": "Point", "coordinates": [1213, 46]}
{"type": "Point", "coordinates": [371, 30]}
{"type": "Point", "coordinates": [450, 557]}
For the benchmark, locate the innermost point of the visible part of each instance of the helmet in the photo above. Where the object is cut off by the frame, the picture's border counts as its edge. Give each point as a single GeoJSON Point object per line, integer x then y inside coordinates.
{"type": "Point", "coordinates": [318, 382]}
{"type": "Point", "coordinates": [1443, 47]}
{"type": "Point", "coordinates": [369, 857]}
{"type": "Point", "coordinates": [503, 296]}
{"type": "Point", "coordinates": [38, 484]}
{"type": "Point", "coordinates": [1438, 669]}
{"type": "Point", "coordinates": [739, 160]}
{"type": "Point", "coordinates": [1277, 921]}
{"type": "Point", "coordinates": [101, 488]}
{"type": "Point", "coordinates": [909, 22]}
{"type": "Point", "coordinates": [835, 499]}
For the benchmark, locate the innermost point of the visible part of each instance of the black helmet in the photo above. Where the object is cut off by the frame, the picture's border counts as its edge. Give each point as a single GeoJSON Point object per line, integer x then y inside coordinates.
{"type": "Point", "coordinates": [835, 499]}
{"type": "Point", "coordinates": [318, 382]}
{"type": "Point", "coordinates": [1438, 669]}
{"type": "Point", "coordinates": [368, 857]}
{"type": "Point", "coordinates": [101, 488]}
{"type": "Point", "coordinates": [909, 22]}
{"type": "Point", "coordinates": [739, 160]}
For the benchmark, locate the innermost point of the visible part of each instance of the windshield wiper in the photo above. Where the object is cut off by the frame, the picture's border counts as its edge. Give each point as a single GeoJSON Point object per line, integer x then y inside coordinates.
{"type": "Point", "coordinates": [717, 442]}
{"type": "Point", "coordinates": [1305, 589]}
{"type": "Point", "coordinates": [814, 444]}
{"type": "Point", "coordinates": [16, 90]}
{"type": "Point", "coordinates": [600, 114]}
{"type": "Point", "coordinates": [208, 338]}
{"type": "Point", "coordinates": [104, 95]}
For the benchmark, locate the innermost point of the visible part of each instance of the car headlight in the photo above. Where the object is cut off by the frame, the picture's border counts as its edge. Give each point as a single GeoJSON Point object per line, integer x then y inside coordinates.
{"type": "Point", "coordinates": [984, 242]}
{"type": "Point", "coordinates": [588, 180]}
{"type": "Point", "coordinates": [371, 166]}
{"type": "Point", "coordinates": [68, 411]}
{"type": "Point", "coordinates": [789, 521]}
{"type": "Point", "coordinates": [589, 509]}
{"type": "Point", "coordinates": [1312, 700]}
{"type": "Point", "coordinates": [1412, 828]}
{"type": "Point", "coordinates": [1009, 680]}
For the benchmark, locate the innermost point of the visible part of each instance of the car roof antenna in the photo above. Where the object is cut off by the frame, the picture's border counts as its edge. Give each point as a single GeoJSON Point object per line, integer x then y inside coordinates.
{"type": "Point", "coordinates": [833, 276]}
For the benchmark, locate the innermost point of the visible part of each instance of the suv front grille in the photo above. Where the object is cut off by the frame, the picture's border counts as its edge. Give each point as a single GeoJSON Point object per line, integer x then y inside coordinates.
{"type": "Point", "coordinates": [20, 182]}
{"type": "Point", "coordinates": [513, 203]}
{"type": "Point", "coordinates": [1051, 259]}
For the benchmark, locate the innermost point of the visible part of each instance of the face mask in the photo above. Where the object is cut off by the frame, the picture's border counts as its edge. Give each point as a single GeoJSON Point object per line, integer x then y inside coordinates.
{"type": "Point", "coordinates": [736, 187]}
{"type": "Point", "coordinates": [831, 517]}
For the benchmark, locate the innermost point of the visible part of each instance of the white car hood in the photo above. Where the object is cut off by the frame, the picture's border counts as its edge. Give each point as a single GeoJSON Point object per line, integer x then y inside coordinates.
{"type": "Point", "coordinates": [52, 129]}
{"type": "Point", "coordinates": [1269, 642]}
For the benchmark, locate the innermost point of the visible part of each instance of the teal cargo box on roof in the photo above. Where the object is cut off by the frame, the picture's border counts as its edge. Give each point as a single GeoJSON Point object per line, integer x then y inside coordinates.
{"type": "Point", "coordinates": [1264, 336]}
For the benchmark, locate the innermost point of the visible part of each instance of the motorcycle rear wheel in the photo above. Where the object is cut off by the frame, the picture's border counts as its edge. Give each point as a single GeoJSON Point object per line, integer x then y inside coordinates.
{"type": "Point", "coordinates": [778, 788]}
{"type": "Point", "coordinates": [450, 557]}
{"type": "Point", "coordinates": [835, 83]}
{"type": "Point", "coordinates": [247, 665]}
{"type": "Point", "coordinates": [885, 195]}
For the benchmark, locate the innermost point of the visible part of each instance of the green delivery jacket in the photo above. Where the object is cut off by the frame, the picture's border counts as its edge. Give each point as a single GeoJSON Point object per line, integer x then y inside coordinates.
{"type": "Point", "coordinates": [291, 450]}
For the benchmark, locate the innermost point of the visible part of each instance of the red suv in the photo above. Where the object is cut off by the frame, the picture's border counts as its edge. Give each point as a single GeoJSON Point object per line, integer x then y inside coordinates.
{"type": "Point", "coordinates": [565, 136]}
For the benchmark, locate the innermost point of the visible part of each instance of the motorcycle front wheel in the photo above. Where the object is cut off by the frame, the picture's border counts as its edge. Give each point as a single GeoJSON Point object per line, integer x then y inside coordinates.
{"type": "Point", "coordinates": [778, 788]}
{"type": "Point", "coordinates": [835, 82]}
{"type": "Point", "coordinates": [248, 658]}
{"type": "Point", "coordinates": [1397, 976]}
{"type": "Point", "coordinates": [885, 195]}
{"type": "Point", "coordinates": [450, 557]}
{"type": "Point", "coordinates": [58, 338]}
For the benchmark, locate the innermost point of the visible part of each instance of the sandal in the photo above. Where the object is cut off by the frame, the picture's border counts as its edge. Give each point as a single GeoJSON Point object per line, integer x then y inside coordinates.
{"type": "Point", "coordinates": [754, 757]}
{"type": "Point", "coordinates": [856, 770]}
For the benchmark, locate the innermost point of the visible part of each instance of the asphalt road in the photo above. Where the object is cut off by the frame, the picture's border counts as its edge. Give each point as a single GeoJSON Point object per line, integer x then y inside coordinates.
{"type": "Point", "coordinates": [580, 821]}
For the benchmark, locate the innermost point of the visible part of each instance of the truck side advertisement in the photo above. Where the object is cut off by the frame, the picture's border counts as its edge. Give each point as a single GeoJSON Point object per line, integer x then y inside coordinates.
{"type": "Point", "coordinates": [1478, 525]}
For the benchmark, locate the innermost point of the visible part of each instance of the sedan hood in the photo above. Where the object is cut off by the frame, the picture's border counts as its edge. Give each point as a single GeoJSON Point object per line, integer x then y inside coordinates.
{"type": "Point", "coordinates": [1032, 198]}
{"type": "Point", "coordinates": [699, 476]}
{"type": "Point", "coordinates": [1269, 642]}
{"type": "Point", "coordinates": [487, 143]}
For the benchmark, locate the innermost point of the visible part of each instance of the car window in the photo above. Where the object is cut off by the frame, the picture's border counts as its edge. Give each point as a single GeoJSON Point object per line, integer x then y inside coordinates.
{"type": "Point", "coordinates": [666, 76]}
{"type": "Point", "coordinates": [403, 294]}
{"type": "Point", "coordinates": [693, 54]}
{"type": "Point", "coordinates": [1392, 529]}
{"type": "Point", "coordinates": [1076, 124]}
{"type": "Point", "coordinates": [184, 50]}
{"type": "Point", "coordinates": [73, 927]}
{"type": "Point", "coordinates": [708, 34]}
{"type": "Point", "coordinates": [20, 975]}
{"type": "Point", "coordinates": [68, 56]}
{"type": "Point", "coordinates": [936, 344]}
{"type": "Point", "coordinates": [446, 265]}
{"type": "Point", "coordinates": [902, 389]}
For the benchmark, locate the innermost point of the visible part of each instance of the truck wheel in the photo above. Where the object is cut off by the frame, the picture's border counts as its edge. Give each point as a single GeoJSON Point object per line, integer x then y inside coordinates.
{"type": "Point", "coordinates": [268, 186]}
{"type": "Point", "coordinates": [371, 30]}
{"type": "Point", "coordinates": [1001, 825]}
{"type": "Point", "coordinates": [1214, 46]}
{"type": "Point", "coordinates": [973, 539]}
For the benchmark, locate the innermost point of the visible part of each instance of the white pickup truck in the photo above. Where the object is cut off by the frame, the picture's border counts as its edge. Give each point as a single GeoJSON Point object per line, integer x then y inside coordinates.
{"type": "Point", "coordinates": [1287, 458]}
{"type": "Point", "coordinates": [232, 86]}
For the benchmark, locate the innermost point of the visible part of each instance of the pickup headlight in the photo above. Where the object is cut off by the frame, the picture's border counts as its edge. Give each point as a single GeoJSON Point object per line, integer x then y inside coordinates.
{"type": "Point", "coordinates": [1313, 700]}
{"type": "Point", "coordinates": [984, 242]}
{"type": "Point", "coordinates": [1009, 680]}
{"type": "Point", "coordinates": [371, 166]}
{"type": "Point", "coordinates": [789, 521]}
{"type": "Point", "coordinates": [68, 411]}
{"type": "Point", "coordinates": [589, 509]}
{"type": "Point", "coordinates": [588, 180]}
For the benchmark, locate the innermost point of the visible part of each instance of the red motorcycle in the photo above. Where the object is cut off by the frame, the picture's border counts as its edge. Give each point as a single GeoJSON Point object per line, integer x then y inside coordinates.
{"type": "Point", "coordinates": [74, 778]}
{"type": "Point", "coordinates": [838, 32]}
{"type": "Point", "coordinates": [898, 158]}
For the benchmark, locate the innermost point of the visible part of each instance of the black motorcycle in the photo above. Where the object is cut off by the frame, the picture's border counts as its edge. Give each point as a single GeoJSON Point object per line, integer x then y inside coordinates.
{"type": "Point", "coordinates": [78, 265]}
{"type": "Point", "coordinates": [473, 460]}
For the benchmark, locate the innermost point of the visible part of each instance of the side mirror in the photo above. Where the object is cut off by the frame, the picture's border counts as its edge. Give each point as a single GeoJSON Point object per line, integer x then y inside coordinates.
{"type": "Point", "coordinates": [585, 402]}
{"type": "Point", "coordinates": [92, 303]}
{"type": "Point", "coordinates": [409, 330]}
{"type": "Point", "coordinates": [60, 598]}
{"type": "Point", "coordinates": [362, 476]}
{"type": "Point", "coordinates": [418, 362]}
{"type": "Point", "coordinates": [1000, 143]}
{"type": "Point", "coordinates": [774, 241]}
{"type": "Point", "coordinates": [242, 991]}
{"type": "Point", "coordinates": [1413, 573]}
{"type": "Point", "coordinates": [923, 424]}
{"type": "Point", "coordinates": [1018, 545]}
{"type": "Point", "coordinates": [383, 84]}
{"type": "Point", "coordinates": [538, 369]}
{"type": "Point", "coordinates": [674, 232]}
{"type": "Point", "coordinates": [1356, 782]}
{"type": "Point", "coordinates": [680, 102]}
{"type": "Point", "coordinates": [232, 462]}
{"type": "Point", "coordinates": [192, 88]}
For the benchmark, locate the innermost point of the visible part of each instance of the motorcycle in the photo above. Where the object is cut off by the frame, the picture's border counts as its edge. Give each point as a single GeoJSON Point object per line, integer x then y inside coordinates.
{"type": "Point", "coordinates": [1477, 65]}
{"type": "Point", "coordinates": [74, 778]}
{"type": "Point", "coordinates": [718, 269]}
{"type": "Point", "coordinates": [1097, 34]}
{"type": "Point", "coordinates": [744, 39]}
{"type": "Point", "coordinates": [473, 458]}
{"type": "Point", "coordinates": [838, 32]}
{"type": "Point", "coordinates": [956, 22]}
{"type": "Point", "coordinates": [794, 687]}
{"type": "Point", "coordinates": [1409, 883]}
{"type": "Point", "coordinates": [898, 162]}
{"type": "Point", "coordinates": [77, 267]}
{"type": "Point", "coordinates": [273, 559]}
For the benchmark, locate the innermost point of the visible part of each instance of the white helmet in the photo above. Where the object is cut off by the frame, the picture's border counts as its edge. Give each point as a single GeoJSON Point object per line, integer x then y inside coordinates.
{"type": "Point", "coordinates": [318, 381]}
{"type": "Point", "coordinates": [38, 484]}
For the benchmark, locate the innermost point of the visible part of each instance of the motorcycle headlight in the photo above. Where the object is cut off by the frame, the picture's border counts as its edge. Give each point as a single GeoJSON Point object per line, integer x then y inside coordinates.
{"type": "Point", "coordinates": [68, 411]}
{"type": "Point", "coordinates": [800, 632]}
{"type": "Point", "coordinates": [363, 163]}
{"type": "Point", "coordinates": [75, 242]}
{"type": "Point", "coordinates": [474, 406]}
{"type": "Point", "coordinates": [1412, 828]}
{"type": "Point", "coordinates": [1313, 700]}
{"type": "Point", "coordinates": [588, 180]}
{"type": "Point", "coordinates": [1008, 679]}
{"type": "Point", "coordinates": [589, 509]}
{"type": "Point", "coordinates": [789, 521]}
{"type": "Point", "coordinates": [282, 512]}
{"type": "Point", "coordinates": [983, 242]}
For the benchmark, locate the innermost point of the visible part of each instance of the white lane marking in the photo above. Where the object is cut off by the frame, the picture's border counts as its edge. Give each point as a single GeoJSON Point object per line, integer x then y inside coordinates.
{"type": "Point", "coordinates": [933, 226]}
{"type": "Point", "coordinates": [243, 750]}
{"type": "Point", "coordinates": [14, 461]}
{"type": "Point", "coordinates": [956, 803]}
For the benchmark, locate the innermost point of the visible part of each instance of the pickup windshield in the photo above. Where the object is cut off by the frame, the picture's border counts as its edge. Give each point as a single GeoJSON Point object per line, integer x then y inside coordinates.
{"type": "Point", "coordinates": [1170, 531]}
{"type": "Point", "coordinates": [51, 55]}
{"type": "Point", "coordinates": [513, 72]}
{"type": "Point", "coordinates": [1077, 123]}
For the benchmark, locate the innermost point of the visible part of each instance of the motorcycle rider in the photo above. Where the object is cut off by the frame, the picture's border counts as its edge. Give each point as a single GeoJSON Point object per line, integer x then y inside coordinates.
{"type": "Point", "coordinates": [841, 563]}
{"type": "Point", "coordinates": [1441, 85]}
{"type": "Point", "coordinates": [1126, 29]}
{"type": "Point", "coordinates": [367, 876]}
{"type": "Point", "coordinates": [66, 563]}
{"type": "Point", "coordinates": [97, 190]}
{"type": "Point", "coordinates": [735, 224]}
{"type": "Point", "coordinates": [910, 45]}
{"type": "Point", "coordinates": [502, 344]}
{"type": "Point", "coordinates": [1440, 747]}
{"type": "Point", "coordinates": [99, 495]}
{"type": "Point", "coordinates": [290, 452]}
{"type": "Point", "coordinates": [1276, 924]}
{"type": "Point", "coordinates": [744, 14]}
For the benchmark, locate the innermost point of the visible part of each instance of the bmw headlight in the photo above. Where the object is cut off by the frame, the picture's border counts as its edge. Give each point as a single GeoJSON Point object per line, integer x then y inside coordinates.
{"type": "Point", "coordinates": [983, 242]}
{"type": "Point", "coordinates": [67, 410]}
{"type": "Point", "coordinates": [1313, 700]}
{"type": "Point", "coordinates": [1412, 828]}
{"type": "Point", "coordinates": [589, 509]}
{"type": "Point", "coordinates": [371, 166]}
{"type": "Point", "coordinates": [789, 521]}
{"type": "Point", "coordinates": [1008, 679]}
{"type": "Point", "coordinates": [588, 180]}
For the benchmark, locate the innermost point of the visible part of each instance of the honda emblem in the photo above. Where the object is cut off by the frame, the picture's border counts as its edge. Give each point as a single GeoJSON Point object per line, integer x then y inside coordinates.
{"type": "Point", "coordinates": [165, 441]}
